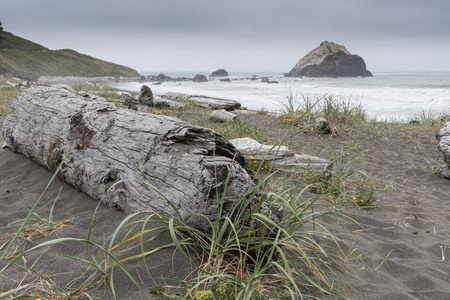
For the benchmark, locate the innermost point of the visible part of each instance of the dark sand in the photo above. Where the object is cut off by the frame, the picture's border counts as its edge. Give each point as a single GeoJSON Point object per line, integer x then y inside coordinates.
{"type": "Point", "coordinates": [403, 240]}
{"type": "Point", "coordinates": [405, 237]}
{"type": "Point", "coordinates": [21, 183]}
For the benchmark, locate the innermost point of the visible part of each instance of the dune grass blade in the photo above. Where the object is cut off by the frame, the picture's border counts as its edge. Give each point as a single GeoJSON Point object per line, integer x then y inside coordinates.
{"type": "Point", "coordinates": [245, 250]}
{"type": "Point", "coordinates": [76, 240]}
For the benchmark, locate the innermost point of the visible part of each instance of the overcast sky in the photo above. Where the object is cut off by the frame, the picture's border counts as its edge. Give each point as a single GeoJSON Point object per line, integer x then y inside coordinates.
{"type": "Point", "coordinates": [244, 35]}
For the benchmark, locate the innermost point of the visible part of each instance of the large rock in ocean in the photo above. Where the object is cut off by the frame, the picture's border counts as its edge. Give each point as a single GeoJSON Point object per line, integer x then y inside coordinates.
{"type": "Point", "coordinates": [330, 60]}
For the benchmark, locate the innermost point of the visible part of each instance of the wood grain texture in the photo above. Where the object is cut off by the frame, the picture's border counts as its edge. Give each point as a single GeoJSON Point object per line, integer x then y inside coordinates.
{"type": "Point", "coordinates": [112, 147]}
{"type": "Point", "coordinates": [443, 136]}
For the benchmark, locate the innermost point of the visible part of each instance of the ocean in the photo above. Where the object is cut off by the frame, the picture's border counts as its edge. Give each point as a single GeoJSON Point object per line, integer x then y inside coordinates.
{"type": "Point", "coordinates": [386, 96]}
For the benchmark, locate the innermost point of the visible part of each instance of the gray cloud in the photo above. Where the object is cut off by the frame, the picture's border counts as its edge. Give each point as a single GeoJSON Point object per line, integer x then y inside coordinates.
{"type": "Point", "coordinates": [238, 35]}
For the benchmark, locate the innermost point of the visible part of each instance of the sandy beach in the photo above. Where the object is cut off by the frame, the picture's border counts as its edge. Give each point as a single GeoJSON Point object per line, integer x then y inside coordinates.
{"type": "Point", "coordinates": [399, 247]}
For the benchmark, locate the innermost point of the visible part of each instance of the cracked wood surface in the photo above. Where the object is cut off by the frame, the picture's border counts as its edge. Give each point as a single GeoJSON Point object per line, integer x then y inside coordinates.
{"type": "Point", "coordinates": [443, 136]}
{"type": "Point", "coordinates": [114, 150]}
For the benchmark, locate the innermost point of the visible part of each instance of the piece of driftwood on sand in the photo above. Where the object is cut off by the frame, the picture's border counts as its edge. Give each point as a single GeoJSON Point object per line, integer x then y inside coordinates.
{"type": "Point", "coordinates": [205, 101]}
{"type": "Point", "coordinates": [280, 157]}
{"type": "Point", "coordinates": [192, 166]}
{"type": "Point", "coordinates": [443, 136]}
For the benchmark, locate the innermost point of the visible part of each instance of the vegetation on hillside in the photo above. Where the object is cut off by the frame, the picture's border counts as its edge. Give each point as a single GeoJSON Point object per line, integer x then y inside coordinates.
{"type": "Point", "coordinates": [20, 55]}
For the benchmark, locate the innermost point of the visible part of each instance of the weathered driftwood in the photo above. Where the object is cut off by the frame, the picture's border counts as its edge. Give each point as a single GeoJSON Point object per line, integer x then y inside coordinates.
{"type": "Point", "coordinates": [280, 157]}
{"type": "Point", "coordinates": [112, 146]}
{"type": "Point", "coordinates": [165, 103]}
{"type": "Point", "coordinates": [221, 116]}
{"type": "Point", "coordinates": [443, 136]}
{"type": "Point", "coordinates": [205, 101]}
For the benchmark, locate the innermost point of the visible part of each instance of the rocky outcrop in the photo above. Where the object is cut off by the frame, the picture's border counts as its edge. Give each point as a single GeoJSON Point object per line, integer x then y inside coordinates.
{"type": "Point", "coordinates": [330, 60]}
{"type": "Point", "coordinates": [145, 96]}
{"type": "Point", "coordinates": [161, 77]}
{"type": "Point", "coordinates": [219, 73]}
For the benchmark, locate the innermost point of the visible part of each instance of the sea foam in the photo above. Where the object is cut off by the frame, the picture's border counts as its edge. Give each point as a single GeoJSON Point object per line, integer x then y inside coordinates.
{"type": "Point", "coordinates": [384, 96]}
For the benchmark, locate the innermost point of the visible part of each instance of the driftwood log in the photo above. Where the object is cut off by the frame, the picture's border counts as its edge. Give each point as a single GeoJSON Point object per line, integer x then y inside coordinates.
{"type": "Point", "coordinates": [280, 157]}
{"type": "Point", "coordinates": [204, 101]}
{"type": "Point", "coordinates": [112, 146]}
{"type": "Point", "coordinates": [221, 116]}
{"type": "Point", "coordinates": [443, 136]}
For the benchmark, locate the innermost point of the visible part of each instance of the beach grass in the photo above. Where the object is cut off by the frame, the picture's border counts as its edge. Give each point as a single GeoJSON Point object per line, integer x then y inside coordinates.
{"type": "Point", "coordinates": [246, 255]}
{"type": "Point", "coordinates": [7, 95]}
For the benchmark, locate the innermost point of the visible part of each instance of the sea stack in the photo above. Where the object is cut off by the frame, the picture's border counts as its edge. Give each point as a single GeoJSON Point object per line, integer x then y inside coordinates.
{"type": "Point", "coordinates": [330, 60]}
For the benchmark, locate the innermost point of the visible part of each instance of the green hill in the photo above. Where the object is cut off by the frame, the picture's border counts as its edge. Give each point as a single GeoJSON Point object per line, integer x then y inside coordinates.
{"type": "Point", "coordinates": [18, 54]}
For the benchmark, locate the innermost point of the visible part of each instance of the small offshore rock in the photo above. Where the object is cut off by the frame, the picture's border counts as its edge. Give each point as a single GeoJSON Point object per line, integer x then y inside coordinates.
{"type": "Point", "coordinates": [265, 79]}
{"type": "Point", "coordinates": [225, 80]}
{"type": "Point", "coordinates": [219, 73]}
{"type": "Point", "coordinates": [221, 116]}
{"type": "Point", "coordinates": [162, 77]}
{"type": "Point", "coordinates": [200, 78]}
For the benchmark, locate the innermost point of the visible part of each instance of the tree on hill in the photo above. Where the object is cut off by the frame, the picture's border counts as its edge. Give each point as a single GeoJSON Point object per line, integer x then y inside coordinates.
{"type": "Point", "coordinates": [1, 31]}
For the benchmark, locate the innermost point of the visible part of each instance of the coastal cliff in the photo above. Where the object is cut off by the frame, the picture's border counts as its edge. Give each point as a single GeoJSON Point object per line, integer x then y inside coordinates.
{"type": "Point", "coordinates": [330, 60]}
